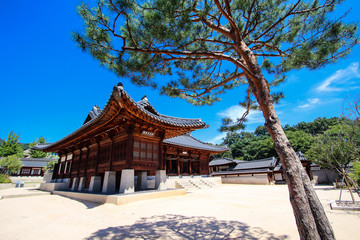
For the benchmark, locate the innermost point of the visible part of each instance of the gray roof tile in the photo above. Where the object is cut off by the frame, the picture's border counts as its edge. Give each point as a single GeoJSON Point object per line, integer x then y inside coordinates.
{"type": "Point", "coordinates": [35, 162]}
{"type": "Point", "coordinates": [262, 163]}
{"type": "Point", "coordinates": [223, 161]}
{"type": "Point", "coordinates": [187, 140]}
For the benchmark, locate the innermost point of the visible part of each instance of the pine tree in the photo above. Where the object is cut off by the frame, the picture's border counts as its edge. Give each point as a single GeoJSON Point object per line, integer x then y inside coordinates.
{"type": "Point", "coordinates": [208, 47]}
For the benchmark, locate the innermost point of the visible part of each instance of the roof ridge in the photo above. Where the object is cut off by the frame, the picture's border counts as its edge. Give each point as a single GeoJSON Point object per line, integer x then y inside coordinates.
{"type": "Point", "coordinates": [260, 160]}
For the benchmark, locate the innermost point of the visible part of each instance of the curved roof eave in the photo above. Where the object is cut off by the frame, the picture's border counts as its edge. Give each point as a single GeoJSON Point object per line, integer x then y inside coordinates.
{"type": "Point", "coordinates": [117, 93]}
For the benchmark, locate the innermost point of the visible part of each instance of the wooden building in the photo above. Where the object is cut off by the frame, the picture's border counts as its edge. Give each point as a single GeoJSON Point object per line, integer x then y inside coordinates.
{"type": "Point", "coordinates": [129, 135]}
{"type": "Point", "coordinates": [32, 167]}
{"type": "Point", "coordinates": [263, 171]}
{"type": "Point", "coordinates": [220, 164]}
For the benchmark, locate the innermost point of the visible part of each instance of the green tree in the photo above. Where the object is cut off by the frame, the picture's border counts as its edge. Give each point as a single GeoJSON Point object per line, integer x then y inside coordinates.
{"type": "Point", "coordinates": [300, 141]}
{"type": "Point", "coordinates": [356, 174]}
{"type": "Point", "coordinates": [336, 148]}
{"type": "Point", "coordinates": [10, 164]}
{"type": "Point", "coordinates": [261, 131]}
{"type": "Point", "coordinates": [211, 46]}
{"type": "Point", "coordinates": [318, 126]}
{"type": "Point", "coordinates": [11, 145]}
{"type": "Point", "coordinates": [50, 165]}
{"type": "Point", "coordinates": [36, 153]}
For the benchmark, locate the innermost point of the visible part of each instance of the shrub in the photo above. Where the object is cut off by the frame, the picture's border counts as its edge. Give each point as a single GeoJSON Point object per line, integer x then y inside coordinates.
{"type": "Point", "coordinates": [4, 178]}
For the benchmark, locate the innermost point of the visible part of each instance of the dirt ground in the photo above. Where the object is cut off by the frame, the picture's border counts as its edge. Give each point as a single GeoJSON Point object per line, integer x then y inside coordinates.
{"type": "Point", "coordinates": [225, 212]}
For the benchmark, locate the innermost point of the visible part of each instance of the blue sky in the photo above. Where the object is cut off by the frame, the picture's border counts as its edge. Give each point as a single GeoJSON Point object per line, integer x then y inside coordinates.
{"type": "Point", "coordinates": [48, 85]}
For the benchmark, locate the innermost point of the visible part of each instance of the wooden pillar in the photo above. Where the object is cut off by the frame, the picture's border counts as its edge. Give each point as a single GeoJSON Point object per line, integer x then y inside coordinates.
{"type": "Point", "coordinates": [111, 154]}
{"type": "Point", "coordinates": [86, 160]}
{"type": "Point", "coordinates": [189, 162]}
{"type": "Point", "coordinates": [162, 155]}
{"type": "Point", "coordinates": [80, 156]}
{"type": "Point", "coordinates": [130, 154]}
{"type": "Point", "coordinates": [72, 159]}
{"type": "Point", "coordinates": [208, 167]}
{"type": "Point", "coordinates": [63, 167]}
{"type": "Point", "coordinates": [97, 157]}
{"type": "Point", "coordinates": [178, 163]}
{"type": "Point", "coordinates": [170, 165]}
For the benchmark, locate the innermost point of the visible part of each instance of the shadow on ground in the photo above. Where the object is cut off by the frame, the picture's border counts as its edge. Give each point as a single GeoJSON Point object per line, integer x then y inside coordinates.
{"type": "Point", "coordinates": [182, 227]}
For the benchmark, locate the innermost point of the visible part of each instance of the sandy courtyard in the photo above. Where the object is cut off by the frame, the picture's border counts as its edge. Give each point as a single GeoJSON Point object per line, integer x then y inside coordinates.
{"type": "Point", "coordinates": [225, 212]}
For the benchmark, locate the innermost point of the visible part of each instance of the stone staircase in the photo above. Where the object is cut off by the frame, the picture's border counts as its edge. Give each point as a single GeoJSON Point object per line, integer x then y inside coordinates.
{"type": "Point", "coordinates": [195, 184]}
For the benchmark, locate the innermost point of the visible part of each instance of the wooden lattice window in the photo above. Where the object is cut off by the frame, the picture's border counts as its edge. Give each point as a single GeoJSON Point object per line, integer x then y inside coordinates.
{"type": "Point", "coordinates": [119, 151]}
{"type": "Point", "coordinates": [145, 151]}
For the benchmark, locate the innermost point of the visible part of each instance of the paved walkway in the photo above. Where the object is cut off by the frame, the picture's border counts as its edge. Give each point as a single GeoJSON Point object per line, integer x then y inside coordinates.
{"type": "Point", "coordinates": [225, 212]}
{"type": "Point", "coordinates": [21, 192]}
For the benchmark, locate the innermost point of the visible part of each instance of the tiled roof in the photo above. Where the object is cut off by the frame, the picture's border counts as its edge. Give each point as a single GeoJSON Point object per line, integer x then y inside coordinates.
{"type": "Point", "coordinates": [119, 94]}
{"type": "Point", "coordinates": [189, 141]}
{"type": "Point", "coordinates": [244, 171]}
{"type": "Point", "coordinates": [223, 161]}
{"type": "Point", "coordinates": [256, 164]}
{"type": "Point", "coordinates": [145, 106]}
{"type": "Point", "coordinates": [35, 162]}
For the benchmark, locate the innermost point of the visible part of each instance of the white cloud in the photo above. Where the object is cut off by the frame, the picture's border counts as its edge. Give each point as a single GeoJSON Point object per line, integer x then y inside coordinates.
{"type": "Point", "coordinates": [217, 139]}
{"type": "Point", "coordinates": [340, 78]}
{"type": "Point", "coordinates": [310, 102]}
{"type": "Point", "coordinates": [236, 111]}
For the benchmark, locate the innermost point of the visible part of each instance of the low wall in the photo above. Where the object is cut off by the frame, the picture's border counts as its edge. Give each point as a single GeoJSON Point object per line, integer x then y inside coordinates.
{"type": "Point", "coordinates": [120, 199]}
{"type": "Point", "coordinates": [246, 179]}
{"type": "Point", "coordinates": [51, 187]}
{"type": "Point", "coordinates": [36, 179]}
{"type": "Point", "coordinates": [13, 185]}
{"type": "Point", "coordinates": [6, 185]}
{"type": "Point", "coordinates": [325, 176]}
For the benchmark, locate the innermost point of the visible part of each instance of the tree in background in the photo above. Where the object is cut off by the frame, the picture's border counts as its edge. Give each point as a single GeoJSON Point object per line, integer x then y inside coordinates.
{"type": "Point", "coordinates": [35, 153]}
{"type": "Point", "coordinates": [300, 141]}
{"type": "Point", "coordinates": [10, 164]}
{"type": "Point", "coordinates": [318, 126]}
{"type": "Point", "coordinates": [213, 46]}
{"type": "Point", "coordinates": [11, 145]}
{"type": "Point", "coordinates": [336, 148]}
{"type": "Point", "coordinates": [50, 165]}
{"type": "Point", "coordinates": [351, 108]}
{"type": "Point", "coordinates": [356, 174]}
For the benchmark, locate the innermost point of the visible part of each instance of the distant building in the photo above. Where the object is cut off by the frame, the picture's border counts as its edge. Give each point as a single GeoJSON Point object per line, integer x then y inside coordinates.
{"type": "Point", "coordinates": [32, 167]}
{"type": "Point", "coordinates": [263, 171]}
{"type": "Point", "coordinates": [220, 164]}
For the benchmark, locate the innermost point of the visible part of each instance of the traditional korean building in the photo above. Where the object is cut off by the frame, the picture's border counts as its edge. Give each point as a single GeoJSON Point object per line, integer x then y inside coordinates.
{"type": "Point", "coordinates": [129, 138]}
{"type": "Point", "coordinates": [262, 171]}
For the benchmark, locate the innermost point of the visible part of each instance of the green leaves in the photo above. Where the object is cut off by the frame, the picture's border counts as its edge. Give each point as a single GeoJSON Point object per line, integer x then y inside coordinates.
{"type": "Point", "coordinates": [36, 153]}
{"type": "Point", "coordinates": [10, 164]}
{"type": "Point", "coordinates": [203, 46]}
{"type": "Point", "coordinates": [11, 145]}
{"type": "Point", "coordinates": [336, 148]}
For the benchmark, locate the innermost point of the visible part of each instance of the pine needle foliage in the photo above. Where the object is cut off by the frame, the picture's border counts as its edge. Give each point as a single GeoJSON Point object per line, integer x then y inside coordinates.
{"type": "Point", "coordinates": [196, 43]}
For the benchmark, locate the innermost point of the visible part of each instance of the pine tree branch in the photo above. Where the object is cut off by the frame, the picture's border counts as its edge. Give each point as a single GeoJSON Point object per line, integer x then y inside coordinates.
{"type": "Point", "coordinates": [222, 83]}
{"type": "Point", "coordinates": [279, 21]}
{"type": "Point", "coordinates": [248, 19]}
{"type": "Point", "coordinates": [215, 55]}
{"type": "Point", "coordinates": [229, 18]}
{"type": "Point", "coordinates": [218, 28]}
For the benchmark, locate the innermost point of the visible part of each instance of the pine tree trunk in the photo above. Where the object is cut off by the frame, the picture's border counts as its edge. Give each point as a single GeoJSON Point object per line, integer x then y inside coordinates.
{"type": "Point", "coordinates": [298, 198]}
{"type": "Point", "coordinates": [323, 225]}
{"type": "Point", "coordinates": [310, 216]}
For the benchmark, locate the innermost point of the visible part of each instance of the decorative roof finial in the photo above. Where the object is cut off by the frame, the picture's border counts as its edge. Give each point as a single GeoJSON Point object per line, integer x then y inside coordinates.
{"type": "Point", "coordinates": [144, 98]}
{"type": "Point", "coordinates": [120, 85]}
